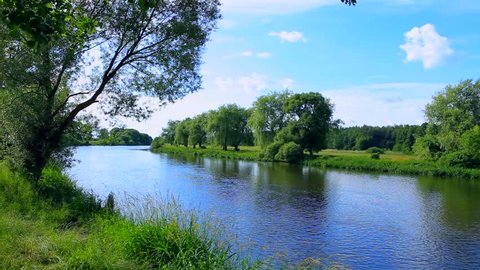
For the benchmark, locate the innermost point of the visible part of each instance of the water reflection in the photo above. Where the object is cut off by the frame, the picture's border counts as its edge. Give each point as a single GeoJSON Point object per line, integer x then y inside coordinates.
{"type": "Point", "coordinates": [460, 199]}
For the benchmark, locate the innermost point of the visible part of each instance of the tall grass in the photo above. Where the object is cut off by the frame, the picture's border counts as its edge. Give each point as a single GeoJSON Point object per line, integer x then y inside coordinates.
{"type": "Point", "coordinates": [413, 167]}
{"type": "Point", "coordinates": [245, 152]}
{"type": "Point", "coordinates": [59, 226]}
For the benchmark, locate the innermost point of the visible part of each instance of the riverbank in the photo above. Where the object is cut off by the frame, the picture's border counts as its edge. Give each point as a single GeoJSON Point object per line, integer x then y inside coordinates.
{"type": "Point", "coordinates": [59, 226]}
{"type": "Point", "coordinates": [390, 162]}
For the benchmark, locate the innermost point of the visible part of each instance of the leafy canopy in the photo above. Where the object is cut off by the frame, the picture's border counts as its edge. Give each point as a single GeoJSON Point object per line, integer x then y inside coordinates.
{"type": "Point", "coordinates": [60, 57]}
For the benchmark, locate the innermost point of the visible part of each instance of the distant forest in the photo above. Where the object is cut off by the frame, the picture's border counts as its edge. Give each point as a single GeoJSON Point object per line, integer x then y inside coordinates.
{"type": "Point", "coordinates": [399, 138]}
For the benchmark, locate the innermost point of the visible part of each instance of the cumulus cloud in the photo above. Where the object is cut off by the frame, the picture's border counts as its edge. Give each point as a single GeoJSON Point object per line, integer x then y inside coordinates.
{"type": "Point", "coordinates": [253, 83]}
{"type": "Point", "coordinates": [286, 36]}
{"type": "Point", "coordinates": [426, 45]}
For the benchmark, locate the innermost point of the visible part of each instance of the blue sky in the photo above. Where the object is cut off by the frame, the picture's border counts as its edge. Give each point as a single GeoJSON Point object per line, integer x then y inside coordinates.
{"type": "Point", "coordinates": [379, 62]}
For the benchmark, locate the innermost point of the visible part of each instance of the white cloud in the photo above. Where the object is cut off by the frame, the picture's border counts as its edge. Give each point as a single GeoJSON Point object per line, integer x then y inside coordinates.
{"type": "Point", "coordinates": [286, 83]}
{"type": "Point", "coordinates": [425, 44]}
{"type": "Point", "coordinates": [263, 55]}
{"type": "Point", "coordinates": [253, 83]}
{"type": "Point", "coordinates": [246, 53]}
{"type": "Point", "coordinates": [286, 36]}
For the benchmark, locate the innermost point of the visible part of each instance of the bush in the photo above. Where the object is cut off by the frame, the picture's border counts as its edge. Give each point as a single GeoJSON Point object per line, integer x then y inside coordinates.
{"type": "Point", "coordinates": [375, 156]}
{"type": "Point", "coordinates": [376, 150]}
{"type": "Point", "coordinates": [290, 152]}
{"type": "Point", "coordinates": [57, 188]}
{"type": "Point", "coordinates": [157, 143]}
{"type": "Point", "coordinates": [460, 159]}
{"type": "Point", "coordinates": [270, 151]}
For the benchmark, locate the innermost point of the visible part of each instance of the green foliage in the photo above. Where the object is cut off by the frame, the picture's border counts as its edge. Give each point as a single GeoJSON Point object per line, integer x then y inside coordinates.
{"type": "Point", "coordinates": [375, 155]}
{"type": "Point", "coordinates": [462, 159]}
{"type": "Point", "coordinates": [163, 39]}
{"type": "Point", "coordinates": [268, 117]}
{"type": "Point", "coordinates": [396, 138]}
{"type": "Point", "coordinates": [376, 150]}
{"type": "Point", "coordinates": [161, 235]}
{"type": "Point", "coordinates": [123, 136]}
{"type": "Point", "coordinates": [269, 152]}
{"type": "Point", "coordinates": [197, 130]}
{"type": "Point", "coordinates": [246, 153]}
{"type": "Point", "coordinates": [290, 152]}
{"type": "Point", "coordinates": [228, 125]}
{"type": "Point", "coordinates": [37, 21]}
{"type": "Point", "coordinates": [57, 188]}
{"type": "Point", "coordinates": [182, 132]}
{"type": "Point", "coordinates": [470, 141]}
{"type": "Point", "coordinates": [312, 114]}
{"type": "Point", "coordinates": [157, 143]}
{"type": "Point", "coordinates": [453, 112]}
{"type": "Point", "coordinates": [428, 147]}
{"type": "Point", "coordinates": [453, 134]}
{"type": "Point", "coordinates": [414, 167]}
{"type": "Point", "coordinates": [168, 132]}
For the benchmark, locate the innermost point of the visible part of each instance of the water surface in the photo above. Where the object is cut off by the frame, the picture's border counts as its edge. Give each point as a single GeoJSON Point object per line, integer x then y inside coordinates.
{"type": "Point", "coordinates": [360, 220]}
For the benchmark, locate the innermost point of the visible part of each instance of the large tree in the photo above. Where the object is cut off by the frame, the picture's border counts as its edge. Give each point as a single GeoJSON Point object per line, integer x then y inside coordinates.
{"type": "Point", "coordinates": [197, 132]}
{"type": "Point", "coordinates": [453, 112]}
{"type": "Point", "coordinates": [127, 49]}
{"type": "Point", "coordinates": [229, 125]}
{"type": "Point", "coordinates": [311, 116]}
{"type": "Point", "coordinates": [452, 131]}
{"type": "Point", "coordinates": [268, 117]}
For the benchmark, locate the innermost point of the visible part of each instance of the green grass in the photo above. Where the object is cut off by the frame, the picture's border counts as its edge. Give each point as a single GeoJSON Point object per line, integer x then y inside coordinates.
{"type": "Point", "coordinates": [245, 152]}
{"type": "Point", "coordinates": [389, 162]}
{"type": "Point", "coordinates": [63, 227]}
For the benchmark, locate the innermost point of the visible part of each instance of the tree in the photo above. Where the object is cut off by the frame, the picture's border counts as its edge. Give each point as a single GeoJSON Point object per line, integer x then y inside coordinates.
{"type": "Point", "coordinates": [268, 117]}
{"type": "Point", "coordinates": [145, 47]}
{"type": "Point", "coordinates": [452, 113]}
{"type": "Point", "coordinates": [197, 130]}
{"type": "Point", "coordinates": [182, 132]}
{"type": "Point", "coordinates": [312, 116]}
{"type": "Point", "coordinates": [228, 125]}
{"type": "Point", "coordinates": [168, 132]}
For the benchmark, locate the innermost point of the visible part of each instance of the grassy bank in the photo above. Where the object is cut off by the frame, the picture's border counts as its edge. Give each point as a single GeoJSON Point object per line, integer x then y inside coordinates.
{"type": "Point", "coordinates": [59, 226]}
{"type": "Point", "coordinates": [245, 152]}
{"type": "Point", "coordinates": [390, 162]}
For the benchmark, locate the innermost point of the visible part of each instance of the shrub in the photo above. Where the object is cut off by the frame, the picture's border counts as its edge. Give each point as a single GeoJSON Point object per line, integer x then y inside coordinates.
{"type": "Point", "coordinates": [157, 143]}
{"type": "Point", "coordinates": [462, 159]}
{"type": "Point", "coordinates": [290, 152]}
{"type": "Point", "coordinates": [376, 150]}
{"type": "Point", "coordinates": [270, 151]}
{"type": "Point", "coordinates": [375, 156]}
{"type": "Point", "coordinates": [54, 186]}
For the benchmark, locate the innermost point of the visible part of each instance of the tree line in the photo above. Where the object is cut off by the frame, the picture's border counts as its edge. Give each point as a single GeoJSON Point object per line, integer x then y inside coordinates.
{"type": "Point", "coordinates": [282, 123]}
{"type": "Point", "coordinates": [400, 138]}
{"type": "Point", "coordinates": [285, 125]}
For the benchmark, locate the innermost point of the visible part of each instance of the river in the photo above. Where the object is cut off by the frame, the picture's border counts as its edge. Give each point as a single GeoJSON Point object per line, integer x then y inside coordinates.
{"type": "Point", "coordinates": [290, 212]}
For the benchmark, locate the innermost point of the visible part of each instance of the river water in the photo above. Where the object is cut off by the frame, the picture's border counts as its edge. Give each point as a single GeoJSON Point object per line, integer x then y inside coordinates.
{"type": "Point", "coordinates": [291, 213]}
